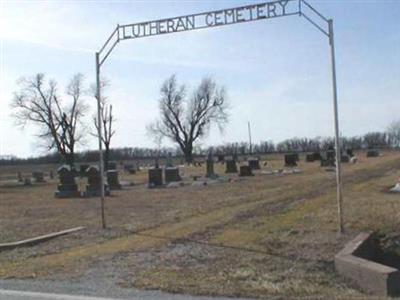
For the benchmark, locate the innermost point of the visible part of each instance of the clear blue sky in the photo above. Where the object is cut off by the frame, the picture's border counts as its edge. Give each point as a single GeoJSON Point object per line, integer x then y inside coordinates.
{"type": "Point", "coordinates": [277, 72]}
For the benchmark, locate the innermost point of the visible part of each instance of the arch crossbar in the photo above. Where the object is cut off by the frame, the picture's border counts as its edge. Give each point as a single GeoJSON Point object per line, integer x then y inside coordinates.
{"type": "Point", "coordinates": [214, 19]}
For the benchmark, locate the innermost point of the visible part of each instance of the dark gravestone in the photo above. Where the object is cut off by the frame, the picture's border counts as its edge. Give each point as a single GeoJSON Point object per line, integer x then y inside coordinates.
{"type": "Point", "coordinates": [172, 174]}
{"type": "Point", "coordinates": [130, 168]}
{"type": "Point", "coordinates": [82, 170]}
{"type": "Point", "coordinates": [94, 182]}
{"type": "Point", "coordinates": [310, 157]}
{"type": "Point", "coordinates": [372, 153]}
{"type": "Point", "coordinates": [330, 155]}
{"type": "Point", "coordinates": [317, 156]}
{"type": "Point", "coordinates": [345, 159]}
{"type": "Point", "coordinates": [111, 165]}
{"type": "Point", "coordinates": [210, 166]}
{"type": "Point", "coordinates": [112, 180]}
{"type": "Point", "coordinates": [19, 176]}
{"type": "Point", "coordinates": [328, 159]}
{"type": "Point", "coordinates": [168, 162]}
{"type": "Point", "coordinates": [291, 159]}
{"type": "Point", "coordinates": [235, 157]}
{"type": "Point", "coordinates": [327, 163]}
{"type": "Point", "coordinates": [220, 158]}
{"type": "Point", "coordinates": [38, 176]}
{"type": "Point", "coordinates": [350, 152]}
{"type": "Point", "coordinates": [75, 171]}
{"type": "Point", "coordinates": [155, 177]}
{"type": "Point", "coordinates": [27, 181]}
{"type": "Point", "coordinates": [231, 166]}
{"type": "Point", "coordinates": [246, 171]}
{"type": "Point", "coordinates": [254, 163]}
{"type": "Point", "coordinates": [67, 187]}
{"type": "Point", "coordinates": [51, 174]}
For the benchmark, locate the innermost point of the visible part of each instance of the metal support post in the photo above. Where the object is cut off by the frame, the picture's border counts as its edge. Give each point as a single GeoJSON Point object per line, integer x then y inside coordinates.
{"type": "Point", "coordinates": [99, 125]}
{"type": "Point", "coordinates": [337, 138]}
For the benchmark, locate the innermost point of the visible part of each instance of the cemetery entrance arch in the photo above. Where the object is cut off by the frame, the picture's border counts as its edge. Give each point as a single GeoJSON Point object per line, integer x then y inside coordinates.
{"type": "Point", "coordinates": [217, 18]}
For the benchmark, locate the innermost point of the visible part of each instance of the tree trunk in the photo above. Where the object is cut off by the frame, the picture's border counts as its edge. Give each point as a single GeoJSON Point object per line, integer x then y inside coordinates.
{"type": "Point", "coordinates": [106, 157]}
{"type": "Point", "coordinates": [188, 154]}
{"type": "Point", "coordinates": [69, 159]}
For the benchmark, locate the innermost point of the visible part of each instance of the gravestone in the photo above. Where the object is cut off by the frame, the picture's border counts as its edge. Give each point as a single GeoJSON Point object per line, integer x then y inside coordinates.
{"type": "Point", "coordinates": [373, 153]}
{"type": "Point", "coordinates": [235, 157]}
{"type": "Point", "coordinates": [254, 163]}
{"type": "Point", "coordinates": [310, 157]}
{"type": "Point", "coordinates": [330, 155]}
{"type": "Point", "coordinates": [51, 174]}
{"type": "Point", "coordinates": [350, 152]}
{"type": "Point", "coordinates": [291, 159]}
{"type": "Point", "coordinates": [344, 158]}
{"type": "Point", "coordinates": [155, 177]}
{"type": "Point", "coordinates": [67, 187]}
{"type": "Point", "coordinates": [210, 166]}
{"type": "Point", "coordinates": [316, 155]}
{"type": "Point", "coordinates": [75, 171]}
{"type": "Point", "coordinates": [38, 176]}
{"type": "Point", "coordinates": [221, 158]}
{"type": "Point", "coordinates": [112, 180]}
{"type": "Point", "coordinates": [111, 165]}
{"type": "Point", "coordinates": [19, 176]}
{"type": "Point", "coordinates": [231, 166]}
{"type": "Point", "coordinates": [172, 174]}
{"type": "Point", "coordinates": [82, 170]}
{"type": "Point", "coordinates": [168, 162]}
{"type": "Point", "coordinates": [94, 182]}
{"type": "Point", "coordinates": [130, 168]}
{"type": "Point", "coordinates": [246, 171]}
{"type": "Point", "coordinates": [328, 159]}
{"type": "Point", "coordinates": [27, 181]}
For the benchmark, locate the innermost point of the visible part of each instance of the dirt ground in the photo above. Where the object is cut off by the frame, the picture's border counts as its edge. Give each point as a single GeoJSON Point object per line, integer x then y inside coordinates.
{"type": "Point", "coordinates": [261, 236]}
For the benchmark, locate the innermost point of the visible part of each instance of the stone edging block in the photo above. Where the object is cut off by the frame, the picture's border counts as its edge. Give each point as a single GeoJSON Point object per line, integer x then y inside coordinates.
{"type": "Point", "coordinates": [356, 262]}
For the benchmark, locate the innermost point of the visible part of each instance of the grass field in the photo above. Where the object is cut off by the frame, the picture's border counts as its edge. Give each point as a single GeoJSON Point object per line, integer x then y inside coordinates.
{"type": "Point", "coordinates": [267, 235]}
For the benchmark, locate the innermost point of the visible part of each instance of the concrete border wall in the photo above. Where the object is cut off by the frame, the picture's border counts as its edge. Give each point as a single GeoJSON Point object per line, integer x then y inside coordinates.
{"type": "Point", "coordinates": [356, 262]}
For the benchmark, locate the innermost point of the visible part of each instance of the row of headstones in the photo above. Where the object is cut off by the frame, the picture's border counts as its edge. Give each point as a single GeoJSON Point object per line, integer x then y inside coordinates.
{"type": "Point", "coordinates": [171, 174]}
{"type": "Point", "coordinates": [68, 187]}
{"type": "Point", "coordinates": [253, 163]}
{"type": "Point", "coordinates": [327, 158]}
{"type": "Point", "coordinates": [36, 175]}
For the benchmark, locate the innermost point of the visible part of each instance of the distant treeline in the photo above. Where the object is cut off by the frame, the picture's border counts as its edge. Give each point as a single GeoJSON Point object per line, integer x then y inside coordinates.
{"type": "Point", "coordinates": [380, 140]}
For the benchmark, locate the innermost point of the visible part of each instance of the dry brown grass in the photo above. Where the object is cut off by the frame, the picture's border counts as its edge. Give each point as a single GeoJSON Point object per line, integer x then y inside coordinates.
{"type": "Point", "coordinates": [266, 235]}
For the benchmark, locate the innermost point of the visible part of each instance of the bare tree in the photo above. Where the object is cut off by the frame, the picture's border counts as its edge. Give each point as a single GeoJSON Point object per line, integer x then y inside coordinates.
{"type": "Point", "coordinates": [394, 133]}
{"type": "Point", "coordinates": [184, 121]}
{"type": "Point", "coordinates": [38, 102]}
{"type": "Point", "coordinates": [107, 119]}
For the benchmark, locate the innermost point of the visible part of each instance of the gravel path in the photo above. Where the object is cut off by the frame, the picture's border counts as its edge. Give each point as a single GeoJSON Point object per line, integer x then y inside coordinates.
{"type": "Point", "coordinates": [89, 289]}
{"type": "Point", "coordinates": [101, 280]}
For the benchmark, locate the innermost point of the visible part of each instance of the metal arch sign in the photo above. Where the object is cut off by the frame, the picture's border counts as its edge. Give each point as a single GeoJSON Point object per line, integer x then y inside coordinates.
{"type": "Point", "coordinates": [216, 18]}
